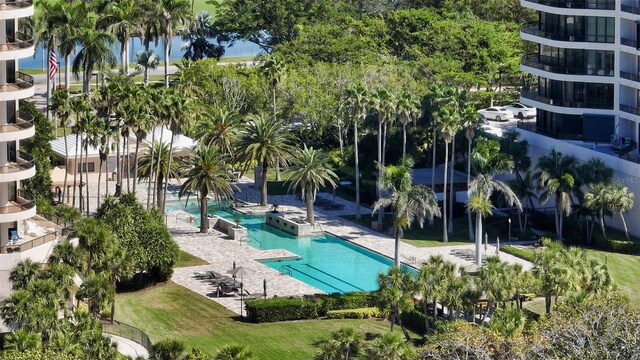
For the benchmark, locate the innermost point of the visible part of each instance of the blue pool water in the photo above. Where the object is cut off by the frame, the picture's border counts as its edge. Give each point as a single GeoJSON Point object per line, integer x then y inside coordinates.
{"type": "Point", "coordinates": [326, 262]}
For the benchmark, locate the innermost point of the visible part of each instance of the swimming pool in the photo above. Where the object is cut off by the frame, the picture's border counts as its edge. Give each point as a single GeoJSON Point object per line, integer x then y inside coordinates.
{"type": "Point", "coordinates": [326, 262]}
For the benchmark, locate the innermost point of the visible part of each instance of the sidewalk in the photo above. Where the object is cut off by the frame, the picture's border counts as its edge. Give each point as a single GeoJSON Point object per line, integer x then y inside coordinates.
{"type": "Point", "coordinates": [129, 348]}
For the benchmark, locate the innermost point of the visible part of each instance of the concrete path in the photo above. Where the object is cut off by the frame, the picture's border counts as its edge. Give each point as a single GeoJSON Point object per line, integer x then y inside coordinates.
{"type": "Point", "coordinates": [129, 348]}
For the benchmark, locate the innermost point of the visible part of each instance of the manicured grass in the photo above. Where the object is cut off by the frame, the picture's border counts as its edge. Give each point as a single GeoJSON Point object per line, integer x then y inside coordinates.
{"type": "Point", "coordinates": [205, 5]}
{"type": "Point", "coordinates": [171, 311]}
{"type": "Point", "coordinates": [185, 260]}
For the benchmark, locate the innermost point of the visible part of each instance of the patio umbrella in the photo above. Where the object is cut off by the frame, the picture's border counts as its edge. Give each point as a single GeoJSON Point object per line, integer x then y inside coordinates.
{"type": "Point", "coordinates": [242, 272]}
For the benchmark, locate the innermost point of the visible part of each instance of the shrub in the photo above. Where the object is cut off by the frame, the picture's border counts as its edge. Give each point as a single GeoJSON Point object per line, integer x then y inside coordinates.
{"type": "Point", "coordinates": [362, 313]}
{"type": "Point", "coordinates": [280, 309]}
{"type": "Point", "coordinates": [337, 301]}
{"type": "Point", "coordinates": [414, 320]}
{"type": "Point", "coordinates": [167, 350]}
{"type": "Point", "coordinates": [624, 246]}
{"type": "Point", "coordinates": [521, 253]}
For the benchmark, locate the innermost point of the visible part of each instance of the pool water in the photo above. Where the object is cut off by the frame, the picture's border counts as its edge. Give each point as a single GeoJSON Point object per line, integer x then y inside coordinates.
{"type": "Point", "coordinates": [326, 262]}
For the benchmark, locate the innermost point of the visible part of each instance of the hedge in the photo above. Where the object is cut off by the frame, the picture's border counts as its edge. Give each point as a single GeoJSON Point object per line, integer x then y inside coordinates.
{"type": "Point", "coordinates": [624, 246]}
{"type": "Point", "coordinates": [362, 313]}
{"type": "Point", "coordinates": [521, 253]}
{"type": "Point", "coordinates": [337, 301]}
{"type": "Point", "coordinates": [280, 309]}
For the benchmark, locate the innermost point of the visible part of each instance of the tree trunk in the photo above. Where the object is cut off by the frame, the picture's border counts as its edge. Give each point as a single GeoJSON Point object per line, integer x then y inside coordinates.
{"type": "Point", "coordinates": [445, 235]}
{"type": "Point", "coordinates": [66, 156]}
{"type": "Point", "coordinates": [153, 148]}
{"type": "Point", "coordinates": [602, 227]}
{"type": "Point", "coordinates": [425, 309]}
{"type": "Point", "coordinates": [435, 311]}
{"type": "Point", "coordinates": [398, 237]}
{"type": "Point", "coordinates": [624, 223]}
{"type": "Point", "coordinates": [166, 61]}
{"type": "Point", "coordinates": [204, 219]}
{"type": "Point", "coordinates": [118, 162]}
{"type": "Point", "coordinates": [263, 183]}
{"type": "Point", "coordinates": [380, 164]}
{"type": "Point", "coordinates": [168, 172]}
{"type": "Point", "coordinates": [123, 55]}
{"type": "Point", "coordinates": [158, 188]}
{"type": "Point", "coordinates": [478, 239]}
{"type": "Point", "coordinates": [80, 198]}
{"type": "Point", "coordinates": [278, 176]}
{"type": "Point", "coordinates": [67, 71]}
{"type": "Point", "coordinates": [86, 173]}
{"type": "Point", "coordinates": [340, 139]}
{"type": "Point", "coordinates": [113, 303]}
{"type": "Point", "coordinates": [309, 197]}
{"type": "Point", "coordinates": [99, 180]}
{"type": "Point", "coordinates": [547, 304]}
{"type": "Point", "coordinates": [469, 213]}
{"type": "Point", "coordinates": [451, 193]}
{"type": "Point", "coordinates": [128, 164]}
{"type": "Point", "coordinates": [393, 317]}
{"type": "Point", "coordinates": [75, 174]}
{"type": "Point", "coordinates": [158, 161]}
{"type": "Point", "coordinates": [404, 329]}
{"type": "Point", "coordinates": [106, 170]}
{"type": "Point", "coordinates": [48, 86]}
{"type": "Point", "coordinates": [355, 150]}
{"type": "Point", "coordinates": [433, 162]}
{"type": "Point", "coordinates": [384, 144]}
{"type": "Point", "coordinates": [135, 164]}
{"type": "Point", "coordinates": [404, 140]}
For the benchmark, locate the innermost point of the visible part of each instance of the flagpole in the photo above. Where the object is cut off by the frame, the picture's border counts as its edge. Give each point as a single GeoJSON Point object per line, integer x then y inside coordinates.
{"type": "Point", "coordinates": [48, 76]}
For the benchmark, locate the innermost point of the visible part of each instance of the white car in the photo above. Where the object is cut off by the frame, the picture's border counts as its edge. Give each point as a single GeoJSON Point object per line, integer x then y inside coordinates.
{"type": "Point", "coordinates": [488, 129]}
{"type": "Point", "coordinates": [521, 111]}
{"type": "Point", "coordinates": [495, 113]}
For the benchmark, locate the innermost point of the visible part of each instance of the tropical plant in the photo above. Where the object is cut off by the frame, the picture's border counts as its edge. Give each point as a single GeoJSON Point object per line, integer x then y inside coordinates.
{"type": "Point", "coordinates": [431, 283]}
{"type": "Point", "coordinates": [221, 129]}
{"type": "Point", "coordinates": [357, 99]}
{"type": "Point", "coordinates": [598, 199]}
{"type": "Point", "coordinates": [524, 188]}
{"type": "Point", "coordinates": [197, 35]}
{"type": "Point", "coordinates": [21, 340]}
{"type": "Point", "coordinates": [119, 266]}
{"type": "Point", "coordinates": [309, 173]}
{"type": "Point", "coordinates": [94, 238]}
{"type": "Point", "coordinates": [274, 69]}
{"type": "Point", "coordinates": [469, 123]}
{"type": "Point", "coordinates": [448, 126]}
{"type": "Point", "coordinates": [161, 167]}
{"type": "Point", "coordinates": [61, 107]}
{"type": "Point", "coordinates": [343, 344]}
{"type": "Point", "coordinates": [234, 352]}
{"type": "Point", "coordinates": [171, 14]}
{"type": "Point", "coordinates": [408, 110]}
{"type": "Point", "coordinates": [167, 350]}
{"type": "Point", "coordinates": [621, 200]}
{"type": "Point", "coordinates": [207, 174]}
{"type": "Point", "coordinates": [24, 273]}
{"type": "Point", "coordinates": [550, 272]}
{"type": "Point", "coordinates": [266, 141]}
{"type": "Point", "coordinates": [122, 19]}
{"type": "Point", "coordinates": [383, 102]}
{"type": "Point", "coordinates": [389, 346]}
{"type": "Point", "coordinates": [97, 291]}
{"type": "Point", "coordinates": [395, 290]}
{"type": "Point", "coordinates": [409, 203]}
{"type": "Point", "coordinates": [95, 52]}
{"type": "Point", "coordinates": [145, 60]}
{"type": "Point", "coordinates": [495, 280]}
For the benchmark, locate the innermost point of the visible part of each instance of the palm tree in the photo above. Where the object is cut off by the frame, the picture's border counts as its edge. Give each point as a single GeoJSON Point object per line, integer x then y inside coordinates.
{"type": "Point", "coordinates": [395, 290]}
{"type": "Point", "coordinates": [141, 122]}
{"type": "Point", "coordinates": [384, 103]}
{"type": "Point", "coordinates": [495, 280]}
{"type": "Point", "coordinates": [66, 253]}
{"type": "Point", "coordinates": [265, 141]}
{"type": "Point", "coordinates": [94, 238]}
{"type": "Point", "coordinates": [621, 201]}
{"type": "Point", "coordinates": [145, 60]}
{"type": "Point", "coordinates": [357, 100]}
{"type": "Point", "coordinates": [221, 129]}
{"type": "Point", "coordinates": [95, 52]}
{"type": "Point", "coordinates": [431, 283]}
{"type": "Point", "coordinates": [206, 173]}
{"type": "Point", "coordinates": [122, 19]}
{"type": "Point", "coordinates": [274, 69]}
{"type": "Point", "coordinates": [309, 174]}
{"type": "Point", "coordinates": [594, 171]}
{"type": "Point", "coordinates": [75, 17]}
{"type": "Point", "coordinates": [235, 352]}
{"type": "Point", "coordinates": [549, 271]}
{"type": "Point", "coordinates": [453, 299]}
{"type": "Point", "coordinates": [448, 125]}
{"type": "Point", "coordinates": [598, 199]}
{"type": "Point", "coordinates": [24, 273]}
{"type": "Point", "coordinates": [61, 107]}
{"type": "Point", "coordinates": [49, 19]}
{"type": "Point", "coordinates": [389, 346]}
{"type": "Point", "coordinates": [556, 176]}
{"type": "Point", "coordinates": [171, 15]}
{"type": "Point", "coordinates": [469, 123]}
{"type": "Point", "coordinates": [22, 340]}
{"type": "Point", "coordinates": [524, 188]}
{"type": "Point", "coordinates": [156, 170]}
{"type": "Point", "coordinates": [62, 276]}
{"type": "Point", "coordinates": [97, 290]}
{"type": "Point", "coordinates": [408, 110]}
{"type": "Point", "coordinates": [343, 344]}
{"type": "Point", "coordinates": [120, 267]}
{"type": "Point", "coordinates": [197, 36]}
{"type": "Point", "coordinates": [410, 203]}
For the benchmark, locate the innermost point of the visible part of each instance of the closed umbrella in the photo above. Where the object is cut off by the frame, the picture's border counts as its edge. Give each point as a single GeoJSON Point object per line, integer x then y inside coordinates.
{"type": "Point", "coordinates": [242, 272]}
{"type": "Point", "coordinates": [264, 287]}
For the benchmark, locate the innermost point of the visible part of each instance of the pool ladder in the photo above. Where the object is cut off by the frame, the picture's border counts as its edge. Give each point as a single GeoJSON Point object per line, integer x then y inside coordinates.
{"type": "Point", "coordinates": [283, 270]}
{"type": "Point", "coordinates": [246, 238]}
{"type": "Point", "coordinates": [410, 260]}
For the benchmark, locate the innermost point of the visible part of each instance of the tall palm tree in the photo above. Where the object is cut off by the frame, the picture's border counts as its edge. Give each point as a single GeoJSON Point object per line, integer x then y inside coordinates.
{"type": "Point", "coordinates": [408, 110]}
{"type": "Point", "coordinates": [431, 283]}
{"type": "Point", "coordinates": [265, 141]}
{"type": "Point", "coordinates": [556, 176]}
{"type": "Point", "coordinates": [469, 123]}
{"type": "Point", "coordinates": [448, 124]}
{"type": "Point", "coordinates": [156, 170]}
{"type": "Point", "coordinates": [383, 102]}
{"type": "Point", "coordinates": [171, 15]}
{"type": "Point", "coordinates": [141, 121]}
{"type": "Point", "coordinates": [621, 201]}
{"type": "Point", "coordinates": [145, 60]}
{"type": "Point", "coordinates": [66, 253]}
{"type": "Point", "coordinates": [197, 37]}
{"type": "Point", "coordinates": [222, 129]}
{"type": "Point", "coordinates": [24, 273]}
{"type": "Point", "coordinates": [95, 52]}
{"type": "Point", "coordinates": [61, 107]}
{"type": "Point", "coordinates": [75, 15]}
{"type": "Point", "coordinates": [409, 203]}
{"type": "Point", "coordinates": [495, 280]}
{"type": "Point", "coordinates": [122, 19]}
{"type": "Point", "coordinates": [235, 352]}
{"type": "Point", "coordinates": [390, 346]}
{"type": "Point", "coordinates": [97, 291]}
{"type": "Point", "coordinates": [594, 171]}
{"type": "Point", "coordinates": [524, 188]}
{"type": "Point", "coordinates": [274, 69]}
{"type": "Point", "coordinates": [395, 290]}
{"type": "Point", "coordinates": [119, 266]}
{"type": "Point", "coordinates": [598, 199]}
{"type": "Point", "coordinates": [309, 174]}
{"type": "Point", "coordinates": [550, 272]}
{"type": "Point", "coordinates": [94, 238]}
{"type": "Point", "coordinates": [357, 100]}
{"type": "Point", "coordinates": [207, 174]}
{"type": "Point", "coordinates": [49, 19]}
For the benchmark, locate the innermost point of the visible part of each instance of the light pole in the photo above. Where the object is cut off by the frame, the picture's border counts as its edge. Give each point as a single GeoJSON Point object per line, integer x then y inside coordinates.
{"type": "Point", "coordinates": [509, 231]}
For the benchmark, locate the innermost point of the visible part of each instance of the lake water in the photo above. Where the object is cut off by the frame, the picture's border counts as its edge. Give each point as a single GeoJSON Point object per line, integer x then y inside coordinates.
{"type": "Point", "coordinates": [240, 48]}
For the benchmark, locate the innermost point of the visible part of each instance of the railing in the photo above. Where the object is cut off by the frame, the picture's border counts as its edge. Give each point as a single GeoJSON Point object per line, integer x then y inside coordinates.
{"type": "Point", "coordinates": [19, 41]}
{"type": "Point", "coordinates": [283, 270]}
{"type": "Point", "coordinates": [128, 332]}
{"type": "Point", "coordinates": [6, 5]}
{"type": "Point", "coordinates": [631, 9]}
{"type": "Point", "coordinates": [593, 104]}
{"type": "Point", "coordinates": [24, 201]}
{"type": "Point", "coordinates": [543, 63]}
{"type": "Point", "coordinates": [578, 4]}
{"type": "Point", "coordinates": [22, 81]}
{"type": "Point", "coordinates": [629, 109]}
{"type": "Point", "coordinates": [410, 260]}
{"type": "Point", "coordinates": [23, 162]}
{"type": "Point", "coordinates": [533, 28]}
{"type": "Point", "coordinates": [23, 121]}
{"type": "Point", "coordinates": [629, 42]}
{"type": "Point", "coordinates": [629, 76]}
{"type": "Point", "coordinates": [8, 249]}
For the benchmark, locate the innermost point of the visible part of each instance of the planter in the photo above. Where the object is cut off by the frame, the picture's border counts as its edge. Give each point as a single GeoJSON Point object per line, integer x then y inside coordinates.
{"type": "Point", "coordinates": [237, 233]}
{"type": "Point", "coordinates": [295, 227]}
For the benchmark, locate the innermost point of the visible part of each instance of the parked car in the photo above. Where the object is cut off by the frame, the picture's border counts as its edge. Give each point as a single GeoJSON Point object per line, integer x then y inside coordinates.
{"type": "Point", "coordinates": [488, 129]}
{"type": "Point", "coordinates": [495, 113]}
{"type": "Point", "coordinates": [521, 111]}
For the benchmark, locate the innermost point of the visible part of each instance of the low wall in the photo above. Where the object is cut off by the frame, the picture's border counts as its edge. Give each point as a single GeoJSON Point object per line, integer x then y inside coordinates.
{"type": "Point", "coordinates": [297, 228]}
{"type": "Point", "coordinates": [228, 227]}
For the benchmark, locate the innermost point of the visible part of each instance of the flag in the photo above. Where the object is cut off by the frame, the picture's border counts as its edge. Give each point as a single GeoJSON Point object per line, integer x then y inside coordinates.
{"type": "Point", "coordinates": [53, 65]}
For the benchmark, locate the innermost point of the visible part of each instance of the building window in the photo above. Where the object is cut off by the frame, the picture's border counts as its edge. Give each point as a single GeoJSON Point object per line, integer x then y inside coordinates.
{"type": "Point", "coordinates": [87, 167]}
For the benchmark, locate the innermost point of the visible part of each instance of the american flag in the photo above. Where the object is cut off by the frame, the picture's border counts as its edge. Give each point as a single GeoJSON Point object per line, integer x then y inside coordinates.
{"type": "Point", "coordinates": [53, 65]}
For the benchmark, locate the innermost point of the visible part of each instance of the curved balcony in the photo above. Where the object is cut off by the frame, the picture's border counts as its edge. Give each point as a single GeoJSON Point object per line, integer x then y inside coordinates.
{"type": "Point", "coordinates": [21, 129]}
{"type": "Point", "coordinates": [630, 9]}
{"type": "Point", "coordinates": [578, 4]}
{"type": "Point", "coordinates": [533, 28]}
{"type": "Point", "coordinates": [14, 9]}
{"type": "Point", "coordinates": [17, 47]}
{"type": "Point", "coordinates": [22, 168]}
{"type": "Point", "coordinates": [20, 88]}
{"type": "Point", "coordinates": [21, 208]}
{"type": "Point", "coordinates": [533, 60]}
{"type": "Point", "coordinates": [593, 104]}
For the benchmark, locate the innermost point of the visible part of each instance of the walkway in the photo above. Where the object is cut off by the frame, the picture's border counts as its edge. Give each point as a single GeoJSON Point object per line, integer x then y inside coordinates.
{"type": "Point", "coordinates": [129, 348]}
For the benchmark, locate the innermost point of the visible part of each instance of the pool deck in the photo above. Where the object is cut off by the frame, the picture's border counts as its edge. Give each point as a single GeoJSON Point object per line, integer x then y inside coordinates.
{"type": "Point", "coordinates": [220, 252]}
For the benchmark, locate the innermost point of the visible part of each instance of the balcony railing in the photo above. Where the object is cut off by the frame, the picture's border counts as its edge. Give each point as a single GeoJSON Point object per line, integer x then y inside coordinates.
{"type": "Point", "coordinates": [19, 41]}
{"type": "Point", "coordinates": [629, 109]}
{"type": "Point", "coordinates": [629, 42]}
{"type": "Point", "coordinates": [629, 76]}
{"type": "Point", "coordinates": [631, 9]}
{"type": "Point", "coordinates": [22, 81]}
{"type": "Point", "coordinates": [23, 121]}
{"type": "Point", "coordinates": [12, 5]}
{"type": "Point", "coordinates": [543, 63]}
{"type": "Point", "coordinates": [23, 162]}
{"type": "Point", "coordinates": [23, 202]}
{"type": "Point", "coordinates": [533, 28]}
{"type": "Point", "coordinates": [128, 332]}
{"type": "Point", "coordinates": [578, 4]}
{"type": "Point", "coordinates": [29, 244]}
{"type": "Point", "coordinates": [594, 104]}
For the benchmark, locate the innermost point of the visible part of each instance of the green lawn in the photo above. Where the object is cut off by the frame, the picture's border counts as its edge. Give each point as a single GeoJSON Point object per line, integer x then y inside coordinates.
{"type": "Point", "coordinates": [185, 260]}
{"type": "Point", "coordinates": [202, 5]}
{"type": "Point", "coordinates": [171, 311]}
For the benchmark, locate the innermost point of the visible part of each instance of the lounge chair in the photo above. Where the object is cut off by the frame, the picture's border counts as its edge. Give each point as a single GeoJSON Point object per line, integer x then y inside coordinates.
{"type": "Point", "coordinates": [224, 290]}
{"type": "Point", "coordinates": [14, 236]}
